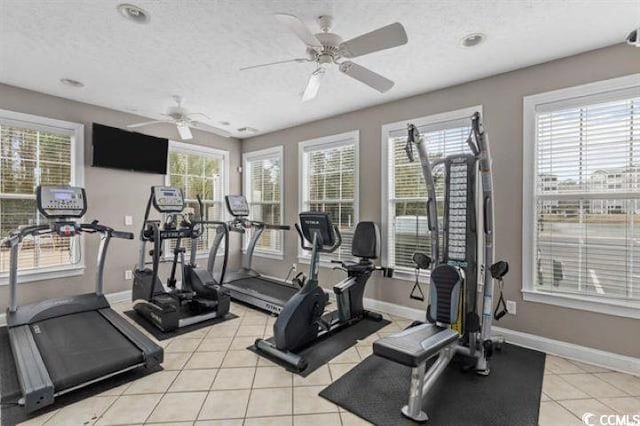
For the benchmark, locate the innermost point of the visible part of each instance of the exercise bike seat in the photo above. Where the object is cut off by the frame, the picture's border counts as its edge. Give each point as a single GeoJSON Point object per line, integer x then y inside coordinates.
{"type": "Point", "coordinates": [415, 345]}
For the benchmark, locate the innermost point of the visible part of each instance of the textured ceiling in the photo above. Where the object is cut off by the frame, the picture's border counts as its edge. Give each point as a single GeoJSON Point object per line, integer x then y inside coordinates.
{"type": "Point", "coordinates": [194, 48]}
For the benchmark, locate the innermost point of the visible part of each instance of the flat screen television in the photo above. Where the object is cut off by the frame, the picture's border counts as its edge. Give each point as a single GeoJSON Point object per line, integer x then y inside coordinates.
{"type": "Point", "coordinates": [120, 149]}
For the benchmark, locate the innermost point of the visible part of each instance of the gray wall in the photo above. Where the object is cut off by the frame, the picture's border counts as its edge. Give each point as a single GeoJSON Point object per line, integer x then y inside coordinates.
{"type": "Point", "coordinates": [112, 194]}
{"type": "Point", "coordinates": [501, 97]}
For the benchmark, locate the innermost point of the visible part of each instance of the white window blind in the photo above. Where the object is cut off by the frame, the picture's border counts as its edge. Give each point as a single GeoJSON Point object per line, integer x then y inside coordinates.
{"type": "Point", "coordinates": [408, 230]}
{"type": "Point", "coordinates": [587, 198]}
{"type": "Point", "coordinates": [30, 156]}
{"type": "Point", "coordinates": [198, 172]}
{"type": "Point", "coordinates": [329, 184]}
{"type": "Point", "coordinates": [263, 189]}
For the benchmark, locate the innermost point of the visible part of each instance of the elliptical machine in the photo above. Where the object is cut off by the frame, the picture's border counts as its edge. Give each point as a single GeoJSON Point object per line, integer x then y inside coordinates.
{"type": "Point", "coordinates": [301, 321]}
{"type": "Point", "coordinates": [201, 297]}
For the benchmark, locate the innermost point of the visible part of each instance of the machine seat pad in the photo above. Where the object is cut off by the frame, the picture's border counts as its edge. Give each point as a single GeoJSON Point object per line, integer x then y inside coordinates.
{"type": "Point", "coordinates": [415, 345]}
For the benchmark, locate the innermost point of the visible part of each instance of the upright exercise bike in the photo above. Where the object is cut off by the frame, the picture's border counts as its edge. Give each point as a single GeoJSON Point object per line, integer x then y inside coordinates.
{"type": "Point", "coordinates": [200, 297]}
{"type": "Point", "coordinates": [302, 320]}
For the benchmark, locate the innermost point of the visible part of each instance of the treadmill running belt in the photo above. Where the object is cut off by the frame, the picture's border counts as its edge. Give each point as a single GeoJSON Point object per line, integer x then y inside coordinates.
{"type": "Point", "coordinates": [256, 286]}
{"type": "Point", "coordinates": [81, 347]}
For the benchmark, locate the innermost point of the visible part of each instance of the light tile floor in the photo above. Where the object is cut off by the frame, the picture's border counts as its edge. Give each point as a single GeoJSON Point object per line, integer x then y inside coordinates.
{"type": "Point", "coordinates": [211, 379]}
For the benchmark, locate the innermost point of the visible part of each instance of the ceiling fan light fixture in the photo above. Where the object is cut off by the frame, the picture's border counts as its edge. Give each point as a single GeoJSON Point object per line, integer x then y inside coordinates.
{"type": "Point", "coordinates": [472, 40]}
{"type": "Point", "coordinates": [184, 131]}
{"type": "Point", "coordinates": [72, 83]}
{"type": "Point", "coordinates": [133, 13]}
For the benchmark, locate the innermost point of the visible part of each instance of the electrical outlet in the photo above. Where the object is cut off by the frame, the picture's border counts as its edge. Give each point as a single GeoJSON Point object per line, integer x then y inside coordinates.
{"type": "Point", "coordinates": [128, 220]}
{"type": "Point", "coordinates": [128, 275]}
{"type": "Point", "coordinates": [511, 307]}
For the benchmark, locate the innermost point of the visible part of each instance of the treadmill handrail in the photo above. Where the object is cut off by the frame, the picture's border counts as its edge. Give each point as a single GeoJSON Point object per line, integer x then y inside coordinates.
{"type": "Point", "coordinates": [17, 236]}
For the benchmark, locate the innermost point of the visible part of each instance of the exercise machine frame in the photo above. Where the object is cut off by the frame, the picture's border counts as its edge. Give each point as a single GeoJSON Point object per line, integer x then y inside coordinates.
{"type": "Point", "coordinates": [461, 280]}
{"type": "Point", "coordinates": [27, 324]}
{"type": "Point", "coordinates": [302, 320]}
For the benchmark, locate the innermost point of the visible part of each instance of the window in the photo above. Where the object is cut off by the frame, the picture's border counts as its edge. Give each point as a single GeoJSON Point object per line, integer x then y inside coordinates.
{"type": "Point", "coordinates": [582, 194]}
{"type": "Point", "coordinates": [404, 189]}
{"type": "Point", "coordinates": [329, 173]}
{"type": "Point", "coordinates": [263, 189]}
{"type": "Point", "coordinates": [34, 151]}
{"type": "Point", "coordinates": [202, 171]}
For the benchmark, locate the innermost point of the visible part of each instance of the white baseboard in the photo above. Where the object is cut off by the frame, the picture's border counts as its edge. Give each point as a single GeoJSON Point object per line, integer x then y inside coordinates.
{"type": "Point", "coordinates": [610, 360]}
{"type": "Point", "coordinates": [112, 298]}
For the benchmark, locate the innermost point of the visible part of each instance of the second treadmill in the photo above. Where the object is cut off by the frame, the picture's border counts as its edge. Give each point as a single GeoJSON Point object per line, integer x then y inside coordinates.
{"type": "Point", "coordinates": [245, 284]}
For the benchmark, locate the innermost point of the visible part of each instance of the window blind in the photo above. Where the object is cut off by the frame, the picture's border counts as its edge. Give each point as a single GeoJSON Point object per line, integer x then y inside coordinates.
{"type": "Point", "coordinates": [264, 196]}
{"type": "Point", "coordinates": [588, 199]}
{"type": "Point", "coordinates": [408, 230]}
{"type": "Point", "coordinates": [28, 158]}
{"type": "Point", "coordinates": [198, 174]}
{"type": "Point", "coordinates": [329, 174]}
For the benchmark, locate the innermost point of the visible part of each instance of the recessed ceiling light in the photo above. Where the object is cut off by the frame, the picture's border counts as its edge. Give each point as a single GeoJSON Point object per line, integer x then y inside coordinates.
{"type": "Point", "coordinates": [133, 13]}
{"type": "Point", "coordinates": [223, 123]}
{"type": "Point", "coordinates": [71, 82]}
{"type": "Point", "coordinates": [247, 130]}
{"type": "Point", "coordinates": [472, 40]}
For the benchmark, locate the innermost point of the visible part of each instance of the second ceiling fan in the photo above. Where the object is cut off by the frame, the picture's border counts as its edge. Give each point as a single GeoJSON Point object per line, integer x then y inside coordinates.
{"type": "Point", "coordinates": [326, 48]}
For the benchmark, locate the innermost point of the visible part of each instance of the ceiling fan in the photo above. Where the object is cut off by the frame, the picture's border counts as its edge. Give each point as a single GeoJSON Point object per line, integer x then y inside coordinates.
{"type": "Point", "coordinates": [183, 120]}
{"type": "Point", "coordinates": [326, 48]}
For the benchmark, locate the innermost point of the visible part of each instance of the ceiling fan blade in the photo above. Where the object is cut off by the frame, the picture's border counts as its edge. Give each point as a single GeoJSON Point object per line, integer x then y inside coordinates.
{"type": "Point", "coordinates": [185, 132]}
{"type": "Point", "coordinates": [202, 126]}
{"type": "Point", "coordinates": [299, 60]}
{"type": "Point", "coordinates": [366, 76]}
{"type": "Point", "coordinates": [300, 29]}
{"type": "Point", "coordinates": [383, 38]}
{"type": "Point", "coordinates": [147, 123]}
{"type": "Point", "coordinates": [313, 85]}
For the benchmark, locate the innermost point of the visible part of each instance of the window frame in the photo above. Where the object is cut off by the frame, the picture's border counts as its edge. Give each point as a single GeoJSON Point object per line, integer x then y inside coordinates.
{"type": "Point", "coordinates": [264, 154]}
{"type": "Point", "coordinates": [432, 120]}
{"type": "Point", "coordinates": [596, 92]}
{"type": "Point", "coordinates": [191, 148]}
{"type": "Point", "coordinates": [76, 132]}
{"type": "Point", "coordinates": [351, 137]}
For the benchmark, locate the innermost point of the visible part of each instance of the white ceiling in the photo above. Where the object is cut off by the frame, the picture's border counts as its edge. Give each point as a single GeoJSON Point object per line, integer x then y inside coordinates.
{"type": "Point", "coordinates": [194, 48]}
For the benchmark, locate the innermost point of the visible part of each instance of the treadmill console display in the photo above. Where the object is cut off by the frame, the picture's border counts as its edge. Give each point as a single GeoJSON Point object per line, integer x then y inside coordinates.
{"type": "Point", "coordinates": [61, 201]}
{"type": "Point", "coordinates": [237, 205]}
{"type": "Point", "coordinates": [167, 199]}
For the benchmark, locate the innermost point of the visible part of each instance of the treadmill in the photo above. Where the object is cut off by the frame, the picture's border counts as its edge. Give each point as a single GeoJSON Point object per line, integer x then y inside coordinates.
{"type": "Point", "coordinates": [63, 344]}
{"type": "Point", "coordinates": [246, 285]}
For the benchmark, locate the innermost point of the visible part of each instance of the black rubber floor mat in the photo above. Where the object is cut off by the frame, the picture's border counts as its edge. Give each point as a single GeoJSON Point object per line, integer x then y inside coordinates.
{"type": "Point", "coordinates": [328, 347]}
{"type": "Point", "coordinates": [376, 389]}
{"type": "Point", "coordinates": [11, 413]}
{"type": "Point", "coordinates": [161, 335]}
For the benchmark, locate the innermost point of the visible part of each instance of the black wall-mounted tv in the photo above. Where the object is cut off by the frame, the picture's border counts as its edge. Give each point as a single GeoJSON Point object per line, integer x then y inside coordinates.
{"type": "Point", "coordinates": [119, 149]}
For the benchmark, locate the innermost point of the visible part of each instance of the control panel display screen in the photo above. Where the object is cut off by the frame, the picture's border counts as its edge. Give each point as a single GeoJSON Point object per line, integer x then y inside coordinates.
{"type": "Point", "coordinates": [62, 195]}
{"type": "Point", "coordinates": [237, 205]}
{"type": "Point", "coordinates": [167, 199]}
{"type": "Point", "coordinates": [61, 201]}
